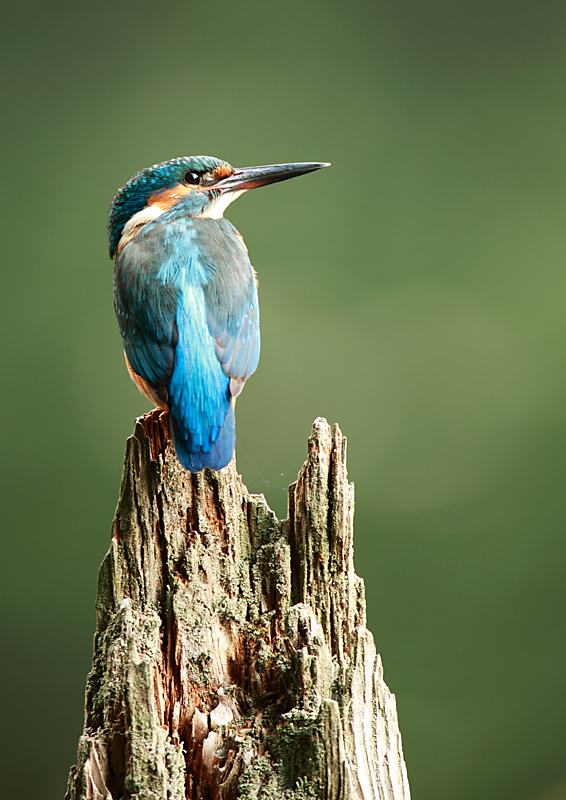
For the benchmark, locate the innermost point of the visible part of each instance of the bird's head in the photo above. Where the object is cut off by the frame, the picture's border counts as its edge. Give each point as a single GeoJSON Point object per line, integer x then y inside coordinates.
{"type": "Point", "coordinates": [156, 189]}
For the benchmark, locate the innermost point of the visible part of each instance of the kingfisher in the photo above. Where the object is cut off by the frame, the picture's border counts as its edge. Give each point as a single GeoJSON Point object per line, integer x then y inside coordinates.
{"type": "Point", "coordinates": [185, 295]}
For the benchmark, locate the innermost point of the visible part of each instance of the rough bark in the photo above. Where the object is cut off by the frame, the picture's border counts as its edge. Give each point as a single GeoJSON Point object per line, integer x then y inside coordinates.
{"type": "Point", "coordinates": [231, 657]}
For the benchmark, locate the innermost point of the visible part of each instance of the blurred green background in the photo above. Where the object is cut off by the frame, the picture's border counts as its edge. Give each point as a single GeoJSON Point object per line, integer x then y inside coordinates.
{"type": "Point", "coordinates": [414, 293]}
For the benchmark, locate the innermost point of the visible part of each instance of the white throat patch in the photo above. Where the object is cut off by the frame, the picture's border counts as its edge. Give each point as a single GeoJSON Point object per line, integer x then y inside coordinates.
{"type": "Point", "coordinates": [134, 225]}
{"type": "Point", "coordinates": [218, 207]}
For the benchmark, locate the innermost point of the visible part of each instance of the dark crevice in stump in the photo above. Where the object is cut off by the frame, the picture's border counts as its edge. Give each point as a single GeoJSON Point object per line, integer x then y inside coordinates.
{"type": "Point", "coordinates": [231, 657]}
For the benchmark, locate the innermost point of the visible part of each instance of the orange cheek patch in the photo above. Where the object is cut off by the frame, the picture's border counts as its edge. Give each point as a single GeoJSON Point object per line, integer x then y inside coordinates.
{"type": "Point", "coordinates": [169, 197]}
{"type": "Point", "coordinates": [222, 171]}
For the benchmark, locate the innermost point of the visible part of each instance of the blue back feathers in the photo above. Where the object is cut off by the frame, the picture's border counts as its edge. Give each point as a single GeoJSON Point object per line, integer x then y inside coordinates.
{"type": "Point", "coordinates": [187, 308]}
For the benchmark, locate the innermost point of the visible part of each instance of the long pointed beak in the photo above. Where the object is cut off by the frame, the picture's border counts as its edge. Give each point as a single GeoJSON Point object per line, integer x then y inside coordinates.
{"type": "Point", "coordinates": [252, 177]}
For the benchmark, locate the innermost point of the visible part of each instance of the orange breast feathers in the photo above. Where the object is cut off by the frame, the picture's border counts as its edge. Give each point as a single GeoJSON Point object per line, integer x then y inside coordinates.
{"type": "Point", "coordinates": [144, 386]}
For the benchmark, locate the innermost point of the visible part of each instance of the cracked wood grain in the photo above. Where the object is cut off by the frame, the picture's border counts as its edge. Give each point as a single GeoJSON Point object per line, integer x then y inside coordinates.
{"type": "Point", "coordinates": [231, 657]}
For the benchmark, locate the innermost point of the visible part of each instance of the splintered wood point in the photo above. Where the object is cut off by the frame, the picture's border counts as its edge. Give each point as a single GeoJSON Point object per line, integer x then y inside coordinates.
{"type": "Point", "coordinates": [231, 657]}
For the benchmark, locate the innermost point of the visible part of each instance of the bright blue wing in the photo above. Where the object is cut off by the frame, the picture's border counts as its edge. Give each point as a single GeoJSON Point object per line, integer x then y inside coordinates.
{"type": "Point", "coordinates": [231, 298]}
{"type": "Point", "coordinates": [187, 308]}
{"type": "Point", "coordinates": [146, 311]}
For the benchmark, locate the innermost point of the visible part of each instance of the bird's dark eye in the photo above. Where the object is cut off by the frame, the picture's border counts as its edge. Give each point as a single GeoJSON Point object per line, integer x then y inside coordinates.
{"type": "Point", "coordinates": [191, 178]}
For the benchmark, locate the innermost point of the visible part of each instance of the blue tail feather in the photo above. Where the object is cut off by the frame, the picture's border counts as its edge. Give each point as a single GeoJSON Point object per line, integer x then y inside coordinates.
{"type": "Point", "coordinates": [193, 457]}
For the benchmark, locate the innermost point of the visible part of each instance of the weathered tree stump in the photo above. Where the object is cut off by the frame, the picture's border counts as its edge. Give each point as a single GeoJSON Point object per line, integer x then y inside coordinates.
{"type": "Point", "coordinates": [231, 657]}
